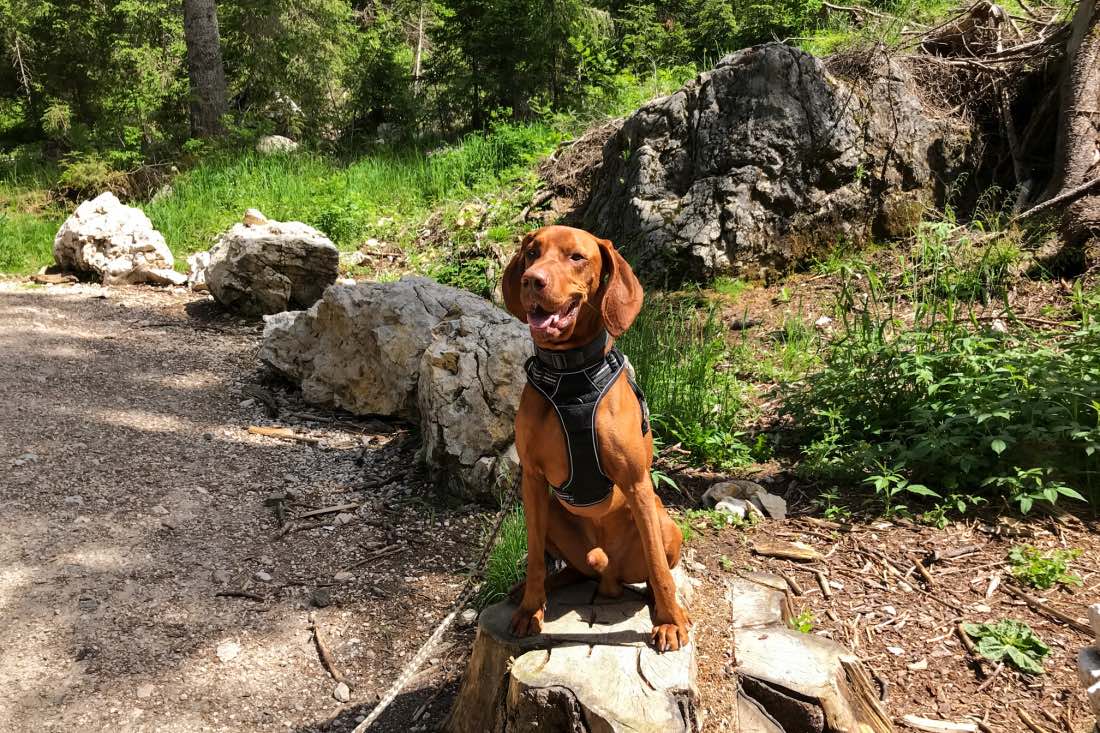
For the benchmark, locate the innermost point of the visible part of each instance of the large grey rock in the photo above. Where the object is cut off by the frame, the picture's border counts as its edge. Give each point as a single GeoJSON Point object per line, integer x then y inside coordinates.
{"type": "Point", "coordinates": [418, 350]}
{"type": "Point", "coordinates": [270, 267]}
{"type": "Point", "coordinates": [275, 144]}
{"type": "Point", "coordinates": [765, 160]}
{"type": "Point", "coordinates": [115, 241]}
{"type": "Point", "coordinates": [471, 378]}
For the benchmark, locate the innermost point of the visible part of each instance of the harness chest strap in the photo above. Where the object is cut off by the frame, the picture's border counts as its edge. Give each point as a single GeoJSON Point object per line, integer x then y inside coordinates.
{"type": "Point", "coordinates": [574, 382]}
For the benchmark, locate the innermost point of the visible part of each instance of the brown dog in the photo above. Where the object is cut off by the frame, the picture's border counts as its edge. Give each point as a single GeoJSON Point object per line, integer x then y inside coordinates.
{"type": "Point", "coordinates": [570, 287]}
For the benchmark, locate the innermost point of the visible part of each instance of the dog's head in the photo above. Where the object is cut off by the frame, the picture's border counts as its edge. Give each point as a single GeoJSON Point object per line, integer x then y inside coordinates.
{"type": "Point", "coordinates": [566, 285]}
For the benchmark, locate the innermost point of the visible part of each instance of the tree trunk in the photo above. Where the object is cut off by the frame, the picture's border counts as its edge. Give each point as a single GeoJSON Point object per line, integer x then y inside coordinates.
{"type": "Point", "coordinates": [1077, 151]}
{"type": "Point", "coordinates": [204, 67]}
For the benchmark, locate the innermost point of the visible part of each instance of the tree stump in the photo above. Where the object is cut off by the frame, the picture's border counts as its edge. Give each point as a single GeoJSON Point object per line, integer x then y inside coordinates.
{"type": "Point", "coordinates": [591, 670]}
{"type": "Point", "coordinates": [790, 682]}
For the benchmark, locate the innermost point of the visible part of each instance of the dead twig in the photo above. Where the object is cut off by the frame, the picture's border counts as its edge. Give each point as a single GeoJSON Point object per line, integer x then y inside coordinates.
{"type": "Point", "coordinates": [282, 434]}
{"type": "Point", "coordinates": [1040, 607]}
{"type": "Point", "coordinates": [240, 594]}
{"type": "Point", "coordinates": [823, 583]}
{"type": "Point", "coordinates": [795, 587]}
{"type": "Point", "coordinates": [329, 510]}
{"type": "Point", "coordinates": [1060, 198]}
{"type": "Point", "coordinates": [1030, 722]}
{"type": "Point", "coordinates": [323, 652]}
{"type": "Point", "coordinates": [922, 570]}
{"type": "Point", "coordinates": [993, 675]}
{"type": "Point", "coordinates": [384, 552]}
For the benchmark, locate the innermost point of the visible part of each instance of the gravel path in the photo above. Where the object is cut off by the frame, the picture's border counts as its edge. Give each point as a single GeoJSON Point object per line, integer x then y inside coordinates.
{"type": "Point", "coordinates": [131, 493]}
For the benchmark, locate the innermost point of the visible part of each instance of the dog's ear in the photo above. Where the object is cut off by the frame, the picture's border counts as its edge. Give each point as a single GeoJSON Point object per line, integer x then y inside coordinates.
{"type": "Point", "coordinates": [510, 285]}
{"type": "Point", "coordinates": [622, 293]}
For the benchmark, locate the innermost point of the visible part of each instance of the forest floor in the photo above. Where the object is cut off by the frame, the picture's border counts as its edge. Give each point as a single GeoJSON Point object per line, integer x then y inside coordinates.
{"type": "Point", "coordinates": [134, 504]}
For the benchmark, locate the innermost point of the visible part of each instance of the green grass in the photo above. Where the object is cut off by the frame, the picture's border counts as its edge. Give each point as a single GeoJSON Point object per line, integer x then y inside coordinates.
{"type": "Point", "coordinates": [386, 194]}
{"type": "Point", "coordinates": [26, 241]}
{"type": "Point", "coordinates": [681, 358]}
{"type": "Point", "coordinates": [506, 565]}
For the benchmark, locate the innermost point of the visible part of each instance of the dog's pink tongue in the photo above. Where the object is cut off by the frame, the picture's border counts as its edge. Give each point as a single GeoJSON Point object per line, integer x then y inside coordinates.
{"type": "Point", "coordinates": [542, 320]}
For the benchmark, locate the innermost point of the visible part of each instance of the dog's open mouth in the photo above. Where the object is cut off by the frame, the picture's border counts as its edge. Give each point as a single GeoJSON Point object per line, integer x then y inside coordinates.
{"type": "Point", "coordinates": [553, 323]}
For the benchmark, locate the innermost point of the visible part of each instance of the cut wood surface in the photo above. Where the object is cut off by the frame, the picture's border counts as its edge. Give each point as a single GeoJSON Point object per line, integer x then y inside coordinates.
{"type": "Point", "coordinates": [591, 668]}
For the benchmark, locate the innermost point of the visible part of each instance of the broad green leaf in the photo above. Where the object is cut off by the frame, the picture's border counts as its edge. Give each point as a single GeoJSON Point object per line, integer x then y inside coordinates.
{"type": "Point", "coordinates": [998, 446]}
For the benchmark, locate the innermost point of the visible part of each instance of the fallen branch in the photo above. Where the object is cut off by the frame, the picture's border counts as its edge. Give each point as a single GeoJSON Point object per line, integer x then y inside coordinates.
{"type": "Point", "coordinates": [922, 570]}
{"type": "Point", "coordinates": [795, 587]}
{"type": "Point", "coordinates": [282, 434]}
{"type": "Point", "coordinates": [823, 583]}
{"type": "Point", "coordinates": [323, 652]}
{"type": "Point", "coordinates": [874, 14]}
{"type": "Point", "coordinates": [329, 510]}
{"type": "Point", "coordinates": [1054, 613]}
{"type": "Point", "coordinates": [384, 552]}
{"type": "Point", "coordinates": [989, 680]}
{"type": "Point", "coordinates": [1060, 198]}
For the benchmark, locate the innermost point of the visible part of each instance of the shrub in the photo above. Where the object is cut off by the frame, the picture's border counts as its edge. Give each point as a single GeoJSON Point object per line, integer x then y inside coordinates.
{"type": "Point", "coordinates": [961, 408]}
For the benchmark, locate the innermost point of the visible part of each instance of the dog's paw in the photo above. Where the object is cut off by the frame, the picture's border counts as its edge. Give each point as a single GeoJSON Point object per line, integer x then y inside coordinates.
{"type": "Point", "coordinates": [669, 637]}
{"type": "Point", "coordinates": [526, 623]}
{"type": "Point", "coordinates": [673, 634]}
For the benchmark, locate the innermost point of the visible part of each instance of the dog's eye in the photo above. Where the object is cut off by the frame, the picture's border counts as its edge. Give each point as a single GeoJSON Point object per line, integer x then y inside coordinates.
{"type": "Point", "coordinates": [530, 254]}
{"type": "Point", "coordinates": [577, 257]}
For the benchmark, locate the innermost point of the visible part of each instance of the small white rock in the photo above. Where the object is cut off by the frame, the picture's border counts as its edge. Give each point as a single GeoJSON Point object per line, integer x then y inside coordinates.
{"type": "Point", "coordinates": [897, 651]}
{"type": "Point", "coordinates": [343, 577]}
{"type": "Point", "coordinates": [248, 403]}
{"type": "Point", "coordinates": [74, 500]}
{"type": "Point", "coordinates": [981, 608]}
{"type": "Point", "coordinates": [342, 692]}
{"type": "Point", "coordinates": [823, 323]}
{"type": "Point", "coordinates": [264, 577]}
{"type": "Point", "coordinates": [146, 691]}
{"type": "Point", "coordinates": [918, 666]}
{"type": "Point", "coordinates": [890, 610]}
{"type": "Point", "coordinates": [467, 617]}
{"type": "Point", "coordinates": [253, 217]}
{"type": "Point", "coordinates": [159, 509]}
{"type": "Point", "coordinates": [344, 518]}
{"type": "Point", "coordinates": [998, 326]}
{"type": "Point", "coordinates": [227, 651]}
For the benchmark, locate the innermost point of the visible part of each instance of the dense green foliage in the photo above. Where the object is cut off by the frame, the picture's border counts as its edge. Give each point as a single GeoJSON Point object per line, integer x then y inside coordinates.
{"type": "Point", "coordinates": [948, 404]}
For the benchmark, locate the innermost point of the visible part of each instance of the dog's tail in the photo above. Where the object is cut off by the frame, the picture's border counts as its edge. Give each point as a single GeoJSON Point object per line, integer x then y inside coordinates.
{"type": "Point", "coordinates": [597, 559]}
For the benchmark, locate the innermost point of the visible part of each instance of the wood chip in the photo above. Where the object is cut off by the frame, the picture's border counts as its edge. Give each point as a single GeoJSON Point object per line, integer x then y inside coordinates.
{"type": "Point", "coordinates": [788, 550]}
{"type": "Point", "coordinates": [938, 726]}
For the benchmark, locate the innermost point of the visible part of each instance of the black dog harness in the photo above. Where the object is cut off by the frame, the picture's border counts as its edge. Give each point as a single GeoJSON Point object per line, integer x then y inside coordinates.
{"type": "Point", "coordinates": [575, 382]}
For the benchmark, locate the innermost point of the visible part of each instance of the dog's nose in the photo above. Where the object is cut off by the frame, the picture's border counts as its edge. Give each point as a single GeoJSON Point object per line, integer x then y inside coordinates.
{"type": "Point", "coordinates": [537, 279]}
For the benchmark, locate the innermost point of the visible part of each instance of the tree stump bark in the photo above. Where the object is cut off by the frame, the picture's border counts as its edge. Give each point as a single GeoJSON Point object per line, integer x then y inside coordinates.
{"type": "Point", "coordinates": [591, 670]}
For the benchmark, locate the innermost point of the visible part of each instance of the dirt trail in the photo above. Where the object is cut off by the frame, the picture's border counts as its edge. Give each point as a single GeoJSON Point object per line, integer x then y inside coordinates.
{"type": "Point", "coordinates": [131, 493]}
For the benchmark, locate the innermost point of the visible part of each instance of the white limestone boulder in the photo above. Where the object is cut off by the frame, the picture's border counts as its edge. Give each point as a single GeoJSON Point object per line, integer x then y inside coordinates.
{"type": "Point", "coordinates": [116, 242]}
{"type": "Point", "coordinates": [270, 266]}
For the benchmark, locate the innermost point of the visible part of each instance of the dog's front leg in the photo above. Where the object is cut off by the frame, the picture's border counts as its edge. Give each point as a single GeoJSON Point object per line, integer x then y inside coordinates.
{"type": "Point", "coordinates": [527, 619]}
{"type": "Point", "coordinates": [671, 623]}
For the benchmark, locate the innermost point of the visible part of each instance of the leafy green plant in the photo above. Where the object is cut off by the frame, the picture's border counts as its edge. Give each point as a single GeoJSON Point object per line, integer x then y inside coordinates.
{"type": "Point", "coordinates": [1012, 639]}
{"type": "Point", "coordinates": [890, 483]}
{"type": "Point", "coordinates": [803, 622]}
{"type": "Point", "coordinates": [938, 516]}
{"type": "Point", "coordinates": [1031, 485]}
{"type": "Point", "coordinates": [726, 564]}
{"type": "Point", "coordinates": [960, 406]}
{"type": "Point", "coordinates": [710, 519]}
{"type": "Point", "coordinates": [1032, 567]}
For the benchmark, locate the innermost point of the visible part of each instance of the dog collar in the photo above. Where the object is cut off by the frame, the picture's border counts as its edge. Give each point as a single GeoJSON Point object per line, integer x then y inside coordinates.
{"type": "Point", "coordinates": [578, 358]}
